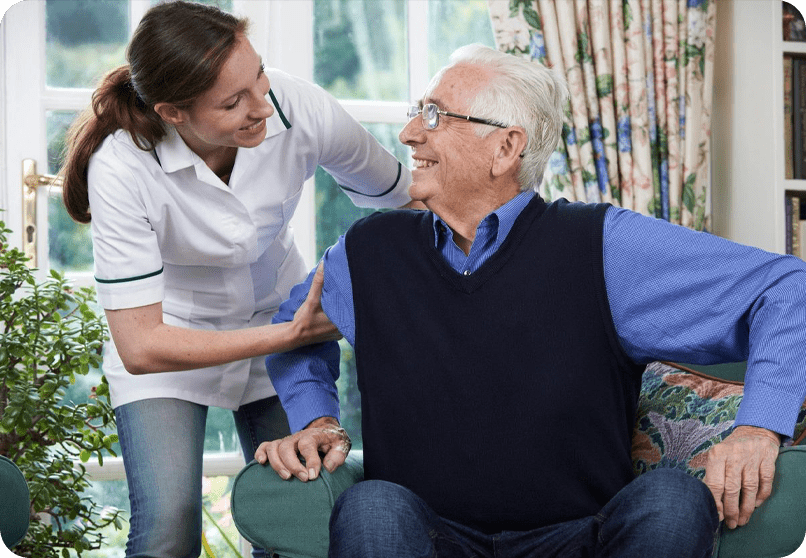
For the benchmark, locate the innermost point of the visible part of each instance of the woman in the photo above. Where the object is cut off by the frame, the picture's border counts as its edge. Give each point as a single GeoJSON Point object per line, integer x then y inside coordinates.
{"type": "Point", "coordinates": [192, 160]}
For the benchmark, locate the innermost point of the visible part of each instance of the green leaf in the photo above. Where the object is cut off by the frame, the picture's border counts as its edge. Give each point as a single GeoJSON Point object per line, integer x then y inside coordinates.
{"type": "Point", "coordinates": [85, 456]}
{"type": "Point", "coordinates": [689, 198]}
{"type": "Point", "coordinates": [604, 85]}
{"type": "Point", "coordinates": [531, 17]}
{"type": "Point", "coordinates": [628, 15]}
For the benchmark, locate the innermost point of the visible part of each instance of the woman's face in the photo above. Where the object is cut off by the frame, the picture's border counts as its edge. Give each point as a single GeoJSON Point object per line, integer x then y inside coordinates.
{"type": "Point", "coordinates": [233, 112]}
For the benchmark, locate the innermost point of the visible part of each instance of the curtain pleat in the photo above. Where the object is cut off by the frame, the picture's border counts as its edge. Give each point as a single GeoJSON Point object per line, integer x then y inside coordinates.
{"type": "Point", "coordinates": [671, 59]}
{"type": "Point", "coordinates": [601, 44]}
{"type": "Point", "coordinates": [640, 72]}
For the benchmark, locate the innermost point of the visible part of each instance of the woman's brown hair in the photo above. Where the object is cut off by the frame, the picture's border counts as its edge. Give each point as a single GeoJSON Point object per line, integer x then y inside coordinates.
{"type": "Point", "coordinates": [175, 55]}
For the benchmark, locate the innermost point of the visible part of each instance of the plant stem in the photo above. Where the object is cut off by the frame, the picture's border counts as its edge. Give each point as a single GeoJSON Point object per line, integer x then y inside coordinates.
{"type": "Point", "coordinates": [220, 530]}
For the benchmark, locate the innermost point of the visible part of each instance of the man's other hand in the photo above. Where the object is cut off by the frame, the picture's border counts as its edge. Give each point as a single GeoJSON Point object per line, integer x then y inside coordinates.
{"type": "Point", "coordinates": [323, 435]}
{"type": "Point", "coordinates": [740, 471]}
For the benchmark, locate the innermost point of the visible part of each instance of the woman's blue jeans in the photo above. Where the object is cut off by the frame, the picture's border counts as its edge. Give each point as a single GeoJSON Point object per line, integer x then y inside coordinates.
{"type": "Point", "coordinates": [662, 514]}
{"type": "Point", "coordinates": [163, 442]}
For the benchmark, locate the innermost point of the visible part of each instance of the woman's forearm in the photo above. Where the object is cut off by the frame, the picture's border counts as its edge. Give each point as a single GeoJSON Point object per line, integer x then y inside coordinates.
{"type": "Point", "coordinates": [147, 345]}
{"type": "Point", "coordinates": [167, 348]}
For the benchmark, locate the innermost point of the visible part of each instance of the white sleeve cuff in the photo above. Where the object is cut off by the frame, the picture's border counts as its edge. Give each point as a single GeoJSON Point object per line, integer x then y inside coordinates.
{"type": "Point", "coordinates": [130, 293]}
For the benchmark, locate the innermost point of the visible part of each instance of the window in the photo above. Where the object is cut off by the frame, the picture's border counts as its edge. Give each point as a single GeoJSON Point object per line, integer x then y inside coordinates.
{"type": "Point", "coordinates": [376, 56]}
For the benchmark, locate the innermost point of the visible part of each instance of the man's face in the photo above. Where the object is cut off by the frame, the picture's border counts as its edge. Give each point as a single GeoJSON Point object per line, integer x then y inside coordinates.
{"type": "Point", "coordinates": [451, 163]}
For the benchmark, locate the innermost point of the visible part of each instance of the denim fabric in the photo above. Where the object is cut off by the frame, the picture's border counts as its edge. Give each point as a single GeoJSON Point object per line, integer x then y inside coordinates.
{"type": "Point", "coordinates": [664, 514]}
{"type": "Point", "coordinates": [163, 442]}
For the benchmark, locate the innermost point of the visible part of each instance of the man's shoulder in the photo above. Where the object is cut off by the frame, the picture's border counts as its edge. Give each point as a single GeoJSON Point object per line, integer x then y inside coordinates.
{"type": "Point", "coordinates": [381, 231]}
{"type": "Point", "coordinates": [562, 212]}
{"type": "Point", "coordinates": [382, 220]}
{"type": "Point", "coordinates": [577, 207]}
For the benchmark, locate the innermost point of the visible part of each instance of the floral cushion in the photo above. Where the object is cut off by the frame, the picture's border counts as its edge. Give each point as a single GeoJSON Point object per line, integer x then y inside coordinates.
{"type": "Point", "coordinates": [681, 414]}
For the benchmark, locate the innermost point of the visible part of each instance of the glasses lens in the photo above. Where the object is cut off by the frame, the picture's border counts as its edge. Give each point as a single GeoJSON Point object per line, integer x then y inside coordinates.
{"type": "Point", "coordinates": [430, 116]}
{"type": "Point", "coordinates": [413, 111]}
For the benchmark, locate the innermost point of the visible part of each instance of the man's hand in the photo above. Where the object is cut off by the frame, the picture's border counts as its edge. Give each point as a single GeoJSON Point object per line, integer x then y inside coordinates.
{"type": "Point", "coordinates": [324, 434]}
{"type": "Point", "coordinates": [739, 472]}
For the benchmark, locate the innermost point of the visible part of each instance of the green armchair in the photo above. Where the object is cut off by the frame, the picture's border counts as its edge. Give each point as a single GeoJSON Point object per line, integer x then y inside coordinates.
{"type": "Point", "coordinates": [682, 413]}
{"type": "Point", "coordinates": [15, 503]}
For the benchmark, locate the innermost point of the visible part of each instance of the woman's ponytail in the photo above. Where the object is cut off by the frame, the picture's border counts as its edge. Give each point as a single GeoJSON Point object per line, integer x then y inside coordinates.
{"type": "Point", "coordinates": [115, 105]}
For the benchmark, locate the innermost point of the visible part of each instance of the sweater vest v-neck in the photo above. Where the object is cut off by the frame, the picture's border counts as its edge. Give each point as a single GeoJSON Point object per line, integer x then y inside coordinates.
{"type": "Point", "coordinates": [502, 398]}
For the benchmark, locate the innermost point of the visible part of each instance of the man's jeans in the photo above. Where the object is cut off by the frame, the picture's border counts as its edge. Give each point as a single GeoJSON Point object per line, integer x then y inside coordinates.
{"type": "Point", "coordinates": [662, 514]}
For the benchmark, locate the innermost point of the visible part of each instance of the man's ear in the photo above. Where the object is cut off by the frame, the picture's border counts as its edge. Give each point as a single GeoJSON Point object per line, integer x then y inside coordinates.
{"type": "Point", "coordinates": [170, 113]}
{"type": "Point", "coordinates": [508, 152]}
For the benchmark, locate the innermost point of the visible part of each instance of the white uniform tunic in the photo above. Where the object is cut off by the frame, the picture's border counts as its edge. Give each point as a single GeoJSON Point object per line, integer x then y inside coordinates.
{"type": "Point", "coordinates": [167, 229]}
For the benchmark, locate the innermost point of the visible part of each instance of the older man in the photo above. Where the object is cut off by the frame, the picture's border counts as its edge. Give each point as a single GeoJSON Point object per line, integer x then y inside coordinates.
{"type": "Point", "coordinates": [500, 342]}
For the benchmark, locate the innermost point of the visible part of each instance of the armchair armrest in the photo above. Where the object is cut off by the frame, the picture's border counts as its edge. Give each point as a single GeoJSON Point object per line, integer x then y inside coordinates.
{"type": "Point", "coordinates": [15, 503]}
{"type": "Point", "coordinates": [777, 528]}
{"type": "Point", "coordinates": [290, 518]}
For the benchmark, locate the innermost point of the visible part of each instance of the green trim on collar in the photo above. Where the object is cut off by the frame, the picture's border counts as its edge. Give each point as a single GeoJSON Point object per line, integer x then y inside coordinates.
{"type": "Point", "coordinates": [127, 279]}
{"type": "Point", "coordinates": [279, 110]}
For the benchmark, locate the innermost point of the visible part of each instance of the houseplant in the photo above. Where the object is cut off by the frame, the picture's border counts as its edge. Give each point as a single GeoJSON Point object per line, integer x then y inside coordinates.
{"type": "Point", "coordinates": [49, 333]}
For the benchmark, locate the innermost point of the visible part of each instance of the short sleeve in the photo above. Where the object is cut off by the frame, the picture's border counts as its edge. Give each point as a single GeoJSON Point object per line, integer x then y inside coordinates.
{"type": "Point", "coordinates": [128, 264]}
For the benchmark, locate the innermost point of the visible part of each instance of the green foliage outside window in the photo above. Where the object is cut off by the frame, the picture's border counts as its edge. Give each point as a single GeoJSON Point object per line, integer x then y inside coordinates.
{"type": "Point", "coordinates": [85, 39]}
{"type": "Point", "coordinates": [70, 23]}
{"type": "Point", "coordinates": [360, 49]}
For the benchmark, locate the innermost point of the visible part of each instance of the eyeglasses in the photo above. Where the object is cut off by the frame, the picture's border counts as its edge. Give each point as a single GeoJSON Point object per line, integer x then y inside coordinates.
{"type": "Point", "coordinates": [431, 114]}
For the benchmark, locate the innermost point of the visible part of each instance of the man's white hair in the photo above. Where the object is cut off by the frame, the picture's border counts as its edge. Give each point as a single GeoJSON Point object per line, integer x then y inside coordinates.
{"type": "Point", "coordinates": [521, 93]}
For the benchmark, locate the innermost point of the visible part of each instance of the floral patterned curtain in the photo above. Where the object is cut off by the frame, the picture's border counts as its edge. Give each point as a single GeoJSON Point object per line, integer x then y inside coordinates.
{"type": "Point", "coordinates": [640, 73]}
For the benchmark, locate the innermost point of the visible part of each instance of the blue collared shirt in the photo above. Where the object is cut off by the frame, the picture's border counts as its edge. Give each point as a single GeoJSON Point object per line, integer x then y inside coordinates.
{"type": "Point", "coordinates": [674, 294]}
{"type": "Point", "coordinates": [490, 234]}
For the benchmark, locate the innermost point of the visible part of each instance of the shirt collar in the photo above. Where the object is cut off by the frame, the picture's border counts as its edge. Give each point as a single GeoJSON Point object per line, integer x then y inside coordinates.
{"type": "Point", "coordinates": [173, 153]}
{"type": "Point", "coordinates": [505, 217]}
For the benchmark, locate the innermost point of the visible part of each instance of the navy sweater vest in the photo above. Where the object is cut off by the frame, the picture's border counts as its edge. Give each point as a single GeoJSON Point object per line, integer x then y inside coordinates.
{"type": "Point", "coordinates": [502, 398]}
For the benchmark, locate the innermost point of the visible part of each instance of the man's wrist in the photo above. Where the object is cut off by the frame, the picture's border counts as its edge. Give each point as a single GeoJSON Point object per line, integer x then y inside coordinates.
{"type": "Point", "coordinates": [324, 422]}
{"type": "Point", "coordinates": [747, 430]}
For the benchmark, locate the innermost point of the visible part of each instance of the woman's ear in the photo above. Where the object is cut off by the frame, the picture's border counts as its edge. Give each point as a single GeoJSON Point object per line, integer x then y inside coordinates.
{"type": "Point", "coordinates": [170, 113]}
{"type": "Point", "coordinates": [509, 150]}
